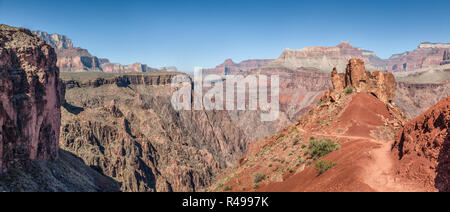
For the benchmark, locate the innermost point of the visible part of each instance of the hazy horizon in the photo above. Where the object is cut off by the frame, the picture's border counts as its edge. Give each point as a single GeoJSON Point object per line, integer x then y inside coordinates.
{"type": "Point", "coordinates": [189, 34]}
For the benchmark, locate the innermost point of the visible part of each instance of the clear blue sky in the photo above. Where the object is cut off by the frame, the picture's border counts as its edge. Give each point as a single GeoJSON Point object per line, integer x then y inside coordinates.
{"type": "Point", "coordinates": [189, 33]}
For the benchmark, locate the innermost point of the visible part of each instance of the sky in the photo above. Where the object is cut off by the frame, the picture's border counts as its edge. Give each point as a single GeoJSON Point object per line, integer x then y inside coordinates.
{"type": "Point", "coordinates": [203, 33]}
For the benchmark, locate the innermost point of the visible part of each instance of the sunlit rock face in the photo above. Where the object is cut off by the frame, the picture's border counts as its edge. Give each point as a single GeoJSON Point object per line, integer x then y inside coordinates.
{"type": "Point", "coordinates": [30, 98]}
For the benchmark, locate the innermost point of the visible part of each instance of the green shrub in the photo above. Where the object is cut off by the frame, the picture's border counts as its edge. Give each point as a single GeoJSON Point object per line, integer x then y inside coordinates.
{"type": "Point", "coordinates": [323, 165]}
{"type": "Point", "coordinates": [256, 186]}
{"type": "Point", "coordinates": [258, 178]}
{"type": "Point", "coordinates": [320, 148]}
{"type": "Point", "coordinates": [219, 186]}
{"type": "Point", "coordinates": [349, 90]}
{"type": "Point", "coordinates": [227, 188]}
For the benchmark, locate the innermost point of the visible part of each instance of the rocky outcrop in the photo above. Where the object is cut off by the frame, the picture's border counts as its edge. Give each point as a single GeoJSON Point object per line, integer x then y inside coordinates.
{"type": "Point", "coordinates": [423, 148]}
{"type": "Point", "coordinates": [30, 98]}
{"type": "Point", "coordinates": [338, 80]}
{"type": "Point", "coordinates": [380, 84]}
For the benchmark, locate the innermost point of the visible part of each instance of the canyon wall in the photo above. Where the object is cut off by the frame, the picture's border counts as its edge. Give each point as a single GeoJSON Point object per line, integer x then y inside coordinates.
{"type": "Point", "coordinates": [30, 98]}
{"type": "Point", "coordinates": [416, 98]}
{"type": "Point", "coordinates": [124, 126]}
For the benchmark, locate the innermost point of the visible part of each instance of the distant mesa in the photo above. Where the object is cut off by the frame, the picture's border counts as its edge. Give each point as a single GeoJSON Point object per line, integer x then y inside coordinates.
{"type": "Point", "coordinates": [230, 67]}
{"type": "Point", "coordinates": [429, 45]}
{"type": "Point", "coordinates": [324, 59]}
{"type": "Point", "coordinates": [75, 59]}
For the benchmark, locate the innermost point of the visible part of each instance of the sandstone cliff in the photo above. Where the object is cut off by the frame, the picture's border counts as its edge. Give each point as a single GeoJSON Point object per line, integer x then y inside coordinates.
{"type": "Point", "coordinates": [29, 98]}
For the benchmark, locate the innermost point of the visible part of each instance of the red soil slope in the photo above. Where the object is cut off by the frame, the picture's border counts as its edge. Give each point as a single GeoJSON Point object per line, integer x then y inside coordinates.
{"type": "Point", "coordinates": [360, 123]}
{"type": "Point", "coordinates": [370, 157]}
{"type": "Point", "coordinates": [366, 161]}
{"type": "Point", "coordinates": [423, 149]}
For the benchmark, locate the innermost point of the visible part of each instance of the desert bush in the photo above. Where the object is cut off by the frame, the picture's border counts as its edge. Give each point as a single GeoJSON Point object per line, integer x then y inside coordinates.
{"type": "Point", "coordinates": [349, 90]}
{"type": "Point", "coordinates": [227, 188]}
{"type": "Point", "coordinates": [258, 178]}
{"type": "Point", "coordinates": [320, 148]}
{"type": "Point", "coordinates": [324, 165]}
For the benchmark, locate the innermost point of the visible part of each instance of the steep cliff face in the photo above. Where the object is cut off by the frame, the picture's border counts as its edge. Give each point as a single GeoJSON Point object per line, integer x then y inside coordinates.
{"type": "Point", "coordinates": [124, 126]}
{"type": "Point", "coordinates": [423, 148]}
{"type": "Point", "coordinates": [29, 98]}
